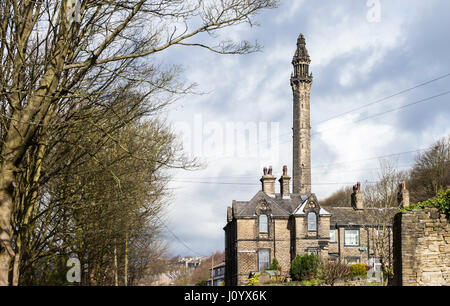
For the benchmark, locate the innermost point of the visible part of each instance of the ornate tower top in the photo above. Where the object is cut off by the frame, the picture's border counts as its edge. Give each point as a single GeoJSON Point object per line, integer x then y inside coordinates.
{"type": "Point", "coordinates": [301, 54]}
{"type": "Point", "coordinates": [301, 62]}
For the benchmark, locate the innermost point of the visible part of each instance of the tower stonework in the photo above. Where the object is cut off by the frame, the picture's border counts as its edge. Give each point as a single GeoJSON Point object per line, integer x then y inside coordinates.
{"type": "Point", "coordinates": [301, 81]}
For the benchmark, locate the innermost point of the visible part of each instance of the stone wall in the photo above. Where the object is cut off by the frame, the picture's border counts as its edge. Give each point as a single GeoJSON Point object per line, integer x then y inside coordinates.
{"type": "Point", "coordinates": [421, 245]}
{"type": "Point", "coordinates": [249, 241]}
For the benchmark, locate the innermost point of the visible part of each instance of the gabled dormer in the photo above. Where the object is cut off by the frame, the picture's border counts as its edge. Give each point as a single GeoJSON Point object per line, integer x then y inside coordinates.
{"type": "Point", "coordinates": [310, 204]}
{"type": "Point", "coordinates": [311, 220]}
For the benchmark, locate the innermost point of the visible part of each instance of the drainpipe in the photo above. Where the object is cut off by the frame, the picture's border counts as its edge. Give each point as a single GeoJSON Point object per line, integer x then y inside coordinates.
{"type": "Point", "coordinates": [339, 241]}
{"type": "Point", "coordinates": [274, 244]}
{"type": "Point", "coordinates": [368, 243]}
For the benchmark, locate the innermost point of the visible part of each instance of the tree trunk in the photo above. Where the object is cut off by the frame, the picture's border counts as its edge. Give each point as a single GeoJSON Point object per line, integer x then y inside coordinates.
{"type": "Point", "coordinates": [125, 276]}
{"type": "Point", "coordinates": [15, 276]}
{"type": "Point", "coordinates": [116, 275]}
{"type": "Point", "coordinates": [6, 204]}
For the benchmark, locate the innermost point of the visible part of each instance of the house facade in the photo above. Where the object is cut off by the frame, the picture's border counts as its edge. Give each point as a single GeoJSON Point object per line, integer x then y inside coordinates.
{"type": "Point", "coordinates": [285, 224]}
{"type": "Point", "coordinates": [216, 275]}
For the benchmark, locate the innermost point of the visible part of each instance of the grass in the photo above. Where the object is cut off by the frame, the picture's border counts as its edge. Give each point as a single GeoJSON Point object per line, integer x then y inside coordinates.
{"type": "Point", "coordinates": [372, 284]}
{"type": "Point", "coordinates": [312, 282]}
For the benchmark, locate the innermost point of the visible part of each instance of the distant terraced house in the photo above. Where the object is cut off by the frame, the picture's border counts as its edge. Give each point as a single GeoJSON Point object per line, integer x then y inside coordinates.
{"type": "Point", "coordinates": [286, 223]}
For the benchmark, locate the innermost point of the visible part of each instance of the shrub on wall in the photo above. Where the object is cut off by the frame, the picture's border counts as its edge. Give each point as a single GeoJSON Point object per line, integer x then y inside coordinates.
{"type": "Point", "coordinates": [441, 201]}
{"type": "Point", "coordinates": [304, 267]}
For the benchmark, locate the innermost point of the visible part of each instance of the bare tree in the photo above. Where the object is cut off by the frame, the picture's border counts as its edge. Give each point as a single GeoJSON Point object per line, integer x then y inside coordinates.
{"type": "Point", "coordinates": [57, 60]}
{"type": "Point", "coordinates": [203, 271]}
{"type": "Point", "coordinates": [431, 171]}
{"type": "Point", "coordinates": [380, 206]}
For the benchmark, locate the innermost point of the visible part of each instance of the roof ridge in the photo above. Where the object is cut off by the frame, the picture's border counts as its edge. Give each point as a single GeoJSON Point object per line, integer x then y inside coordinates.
{"type": "Point", "coordinates": [274, 202]}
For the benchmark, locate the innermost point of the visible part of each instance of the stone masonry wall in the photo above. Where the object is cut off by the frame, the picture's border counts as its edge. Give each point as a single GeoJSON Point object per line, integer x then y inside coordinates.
{"type": "Point", "coordinates": [249, 241]}
{"type": "Point", "coordinates": [421, 248]}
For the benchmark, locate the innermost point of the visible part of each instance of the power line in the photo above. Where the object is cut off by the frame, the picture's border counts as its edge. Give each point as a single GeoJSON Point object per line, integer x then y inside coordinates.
{"type": "Point", "coordinates": [386, 98]}
{"type": "Point", "coordinates": [370, 117]}
{"type": "Point", "coordinates": [389, 111]}
{"type": "Point", "coordinates": [255, 184]}
{"type": "Point", "coordinates": [181, 180]}
{"type": "Point", "coordinates": [255, 175]}
{"type": "Point", "coordinates": [179, 239]}
{"type": "Point", "coordinates": [370, 158]}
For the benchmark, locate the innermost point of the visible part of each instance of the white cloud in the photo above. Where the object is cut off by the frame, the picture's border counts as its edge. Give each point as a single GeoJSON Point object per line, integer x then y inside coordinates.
{"type": "Point", "coordinates": [288, 10]}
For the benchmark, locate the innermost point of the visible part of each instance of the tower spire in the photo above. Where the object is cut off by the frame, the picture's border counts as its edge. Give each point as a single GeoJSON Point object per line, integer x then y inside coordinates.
{"type": "Point", "coordinates": [301, 62]}
{"type": "Point", "coordinates": [301, 81]}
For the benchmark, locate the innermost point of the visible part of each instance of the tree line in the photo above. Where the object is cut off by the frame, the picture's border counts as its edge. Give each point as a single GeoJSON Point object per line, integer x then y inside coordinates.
{"type": "Point", "coordinates": [84, 146]}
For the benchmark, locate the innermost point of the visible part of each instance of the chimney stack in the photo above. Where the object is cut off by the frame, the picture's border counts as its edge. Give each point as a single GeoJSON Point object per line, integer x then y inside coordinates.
{"type": "Point", "coordinates": [284, 183]}
{"type": "Point", "coordinates": [403, 195]}
{"type": "Point", "coordinates": [357, 198]}
{"type": "Point", "coordinates": [268, 182]}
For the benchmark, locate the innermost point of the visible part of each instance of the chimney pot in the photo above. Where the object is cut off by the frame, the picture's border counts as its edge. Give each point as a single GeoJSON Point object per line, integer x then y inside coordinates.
{"type": "Point", "coordinates": [268, 182]}
{"type": "Point", "coordinates": [403, 195]}
{"type": "Point", "coordinates": [284, 183]}
{"type": "Point", "coordinates": [356, 197]}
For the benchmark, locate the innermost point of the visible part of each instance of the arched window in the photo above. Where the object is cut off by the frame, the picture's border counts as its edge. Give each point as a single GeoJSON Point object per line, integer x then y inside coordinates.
{"type": "Point", "coordinates": [312, 221]}
{"type": "Point", "coordinates": [263, 224]}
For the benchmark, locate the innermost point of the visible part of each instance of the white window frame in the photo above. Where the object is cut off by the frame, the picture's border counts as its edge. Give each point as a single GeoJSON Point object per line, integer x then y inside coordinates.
{"type": "Point", "coordinates": [264, 230]}
{"type": "Point", "coordinates": [352, 260]}
{"type": "Point", "coordinates": [347, 237]}
{"type": "Point", "coordinates": [260, 263]}
{"type": "Point", "coordinates": [312, 251]}
{"type": "Point", "coordinates": [333, 235]}
{"type": "Point", "coordinates": [310, 227]}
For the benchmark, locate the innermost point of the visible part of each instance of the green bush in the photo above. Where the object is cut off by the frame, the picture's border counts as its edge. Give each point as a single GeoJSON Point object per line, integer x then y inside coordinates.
{"type": "Point", "coordinates": [312, 282]}
{"type": "Point", "coordinates": [201, 282]}
{"type": "Point", "coordinates": [304, 267]}
{"type": "Point", "coordinates": [254, 279]}
{"type": "Point", "coordinates": [358, 269]}
{"type": "Point", "coordinates": [275, 265]}
{"type": "Point", "coordinates": [441, 201]}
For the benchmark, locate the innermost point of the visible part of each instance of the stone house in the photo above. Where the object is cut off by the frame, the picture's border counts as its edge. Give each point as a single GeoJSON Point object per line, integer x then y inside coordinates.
{"type": "Point", "coordinates": [283, 224]}
{"type": "Point", "coordinates": [216, 274]}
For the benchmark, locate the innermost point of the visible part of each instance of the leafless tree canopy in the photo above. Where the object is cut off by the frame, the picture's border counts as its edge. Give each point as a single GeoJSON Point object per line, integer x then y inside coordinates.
{"type": "Point", "coordinates": [77, 79]}
{"type": "Point", "coordinates": [431, 171]}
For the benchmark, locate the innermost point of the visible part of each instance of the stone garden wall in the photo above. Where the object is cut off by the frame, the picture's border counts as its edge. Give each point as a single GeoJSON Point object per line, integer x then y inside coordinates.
{"type": "Point", "coordinates": [421, 242]}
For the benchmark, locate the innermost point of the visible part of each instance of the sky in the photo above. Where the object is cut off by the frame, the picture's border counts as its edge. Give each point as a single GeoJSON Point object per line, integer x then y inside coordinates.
{"type": "Point", "coordinates": [388, 54]}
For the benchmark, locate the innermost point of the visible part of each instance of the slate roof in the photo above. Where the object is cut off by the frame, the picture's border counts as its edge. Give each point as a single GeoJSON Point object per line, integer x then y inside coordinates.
{"type": "Point", "coordinates": [284, 207]}
{"type": "Point", "coordinates": [350, 216]}
{"type": "Point", "coordinates": [281, 206]}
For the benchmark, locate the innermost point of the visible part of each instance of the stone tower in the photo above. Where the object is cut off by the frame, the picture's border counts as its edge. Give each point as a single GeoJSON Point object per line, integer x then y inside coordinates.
{"type": "Point", "coordinates": [301, 81]}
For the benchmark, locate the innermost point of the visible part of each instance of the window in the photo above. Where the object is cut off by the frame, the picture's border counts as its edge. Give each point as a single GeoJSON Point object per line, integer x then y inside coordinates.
{"type": "Point", "coordinates": [312, 222]}
{"type": "Point", "coordinates": [263, 224]}
{"type": "Point", "coordinates": [312, 251]}
{"type": "Point", "coordinates": [263, 259]}
{"type": "Point", "coordinates": [333, 258]}
{"type": "Point", "coordinates": [332, 235]}
{"type": "Point", "coordinates": [351, 237]}
{"type": "Point", "coordinates": [352, 260]}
